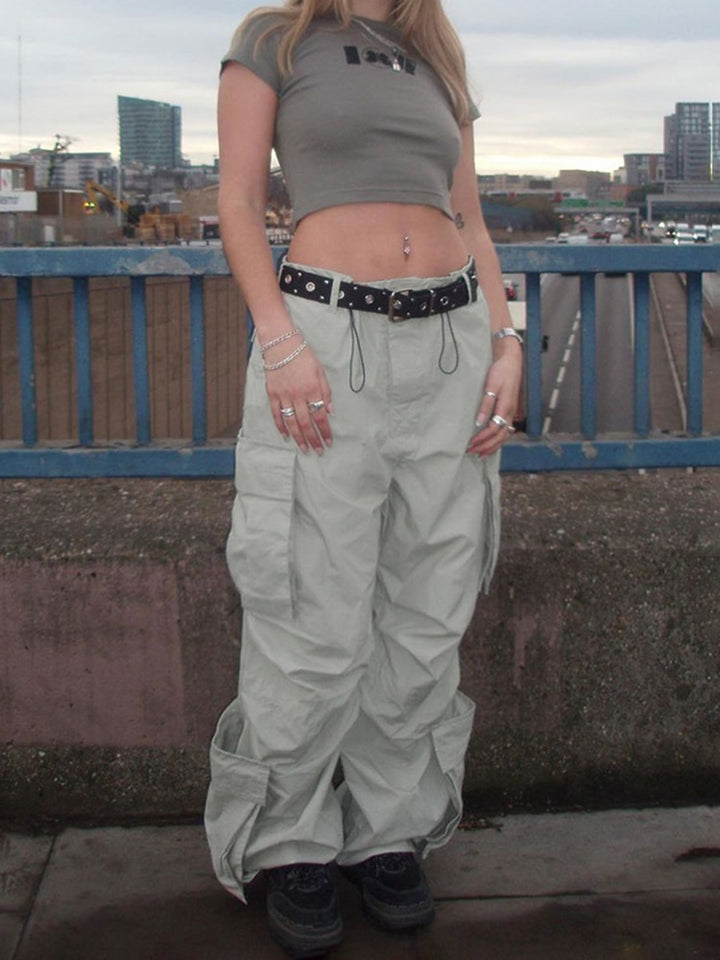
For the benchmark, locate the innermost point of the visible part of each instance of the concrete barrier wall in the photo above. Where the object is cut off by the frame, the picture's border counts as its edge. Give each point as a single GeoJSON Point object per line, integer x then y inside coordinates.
{"type": "Point", "coordinates": [594, 662]}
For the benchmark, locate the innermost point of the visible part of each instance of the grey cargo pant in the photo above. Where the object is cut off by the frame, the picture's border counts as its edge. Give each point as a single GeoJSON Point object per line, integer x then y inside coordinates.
{"type": "Point", "coordinates": [358, 572]}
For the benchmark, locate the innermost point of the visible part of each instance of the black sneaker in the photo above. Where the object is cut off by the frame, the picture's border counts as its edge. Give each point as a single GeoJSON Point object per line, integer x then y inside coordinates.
{"type": "Point", "coordinates": [302, 909]}
{"type": "Point", "coordinates": [394, 891]}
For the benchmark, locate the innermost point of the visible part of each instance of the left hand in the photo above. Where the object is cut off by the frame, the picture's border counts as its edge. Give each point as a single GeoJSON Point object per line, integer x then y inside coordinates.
{"type": "Point", "coordinates": [500, 399]}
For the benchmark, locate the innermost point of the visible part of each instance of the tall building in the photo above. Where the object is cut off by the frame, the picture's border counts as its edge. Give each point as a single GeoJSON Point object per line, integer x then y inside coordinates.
{"type": "Point", "coordinates": [688, 142]}
{"type": "Point", "coordinates": [150, 133]}
{"type": "Point", "coordinates": [670, 145]}
{"type": "Point", "coordinates": [642, 169]}
{"type": "Point", "coordinates": [715, 141]}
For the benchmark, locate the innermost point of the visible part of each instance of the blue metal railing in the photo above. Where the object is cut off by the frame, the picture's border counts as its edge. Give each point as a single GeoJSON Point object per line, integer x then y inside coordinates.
{"type": "Point", "coordinates": [197, 457]}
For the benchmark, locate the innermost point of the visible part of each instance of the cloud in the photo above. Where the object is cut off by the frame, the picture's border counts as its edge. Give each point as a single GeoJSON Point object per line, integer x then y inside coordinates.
{"type": "Point", "coordinates": [552, 99]}
{"type": "Point", "coordinates": [692, 21]}
{"type": "Point", "coordinates": [560, 82]}
{"type": "Point", "coordinates": [76, 62]}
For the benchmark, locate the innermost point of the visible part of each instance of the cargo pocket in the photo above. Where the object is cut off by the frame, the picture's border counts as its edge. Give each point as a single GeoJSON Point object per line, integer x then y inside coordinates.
{"type": "Point", "coordinates": [238, 790]}
{"type": "Point", "coordinates": [259, 545]}
{"type": "Point", "coordinates": [450, 741]}
{"type": "Point", "coordinates": [490, 543]}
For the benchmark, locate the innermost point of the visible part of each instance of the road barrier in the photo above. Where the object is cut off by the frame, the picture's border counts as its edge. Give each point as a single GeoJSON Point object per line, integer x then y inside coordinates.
{"type": "Point", "coordinates": [197, 456]}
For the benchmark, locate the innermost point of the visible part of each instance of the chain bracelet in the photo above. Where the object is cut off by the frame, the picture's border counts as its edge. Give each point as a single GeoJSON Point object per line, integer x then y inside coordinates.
{"type": "Point", "coordinates": [273, 343]}
{"type": "Point", "coordinates": [281, 363]}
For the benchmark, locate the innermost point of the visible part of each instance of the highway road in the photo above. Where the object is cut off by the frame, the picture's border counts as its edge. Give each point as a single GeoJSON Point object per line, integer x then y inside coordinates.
{"type": "Point", "coordinates": [560, 296]}
{"type": "Point", "coordinates": [561, 362]}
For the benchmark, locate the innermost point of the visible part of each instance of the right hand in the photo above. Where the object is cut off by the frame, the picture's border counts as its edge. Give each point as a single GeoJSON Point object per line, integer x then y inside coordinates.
{"type": "Point", "coordinates": [294, 386]}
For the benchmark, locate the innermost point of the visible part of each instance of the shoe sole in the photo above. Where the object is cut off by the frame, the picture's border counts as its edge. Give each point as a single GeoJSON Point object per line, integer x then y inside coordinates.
{"type": "Point", "coordinates": [301, 943]}
{"type": "Point", "coordinates": [397, 918]}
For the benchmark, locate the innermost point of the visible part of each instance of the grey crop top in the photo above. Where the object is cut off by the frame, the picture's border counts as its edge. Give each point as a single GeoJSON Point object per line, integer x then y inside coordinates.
{"type": "Point", "coordinates": [349, 127]}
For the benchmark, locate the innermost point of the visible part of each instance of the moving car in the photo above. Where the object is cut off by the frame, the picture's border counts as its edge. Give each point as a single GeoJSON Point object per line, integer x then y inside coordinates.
{"type": "Point", "coordinates": [683, 237]}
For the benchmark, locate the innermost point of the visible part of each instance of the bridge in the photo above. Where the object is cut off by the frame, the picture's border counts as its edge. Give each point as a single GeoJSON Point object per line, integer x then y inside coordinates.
{"type": "Point", "coordinates": [593, 661]}
{"type": "Point", "coordinates": [195, 456]}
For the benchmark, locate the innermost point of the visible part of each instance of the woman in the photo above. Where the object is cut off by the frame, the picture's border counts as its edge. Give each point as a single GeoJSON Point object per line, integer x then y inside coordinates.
{"type": "Point", "coordinates": [383, 379]}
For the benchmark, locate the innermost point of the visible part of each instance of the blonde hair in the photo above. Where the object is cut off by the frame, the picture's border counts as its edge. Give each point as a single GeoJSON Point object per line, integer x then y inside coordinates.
{"type": "Point", "coordinates": [424, 26]}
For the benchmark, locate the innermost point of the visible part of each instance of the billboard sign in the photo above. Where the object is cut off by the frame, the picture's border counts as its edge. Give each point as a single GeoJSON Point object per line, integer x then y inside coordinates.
{"type": "Point", "coordinates": [14, 198]}
{"type": "Point", "coordinates": [18, 201]}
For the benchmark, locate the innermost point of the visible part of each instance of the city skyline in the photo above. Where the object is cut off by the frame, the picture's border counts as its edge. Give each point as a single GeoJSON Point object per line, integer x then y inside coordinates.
{"type": "Point", "coordinates": [558, 89]}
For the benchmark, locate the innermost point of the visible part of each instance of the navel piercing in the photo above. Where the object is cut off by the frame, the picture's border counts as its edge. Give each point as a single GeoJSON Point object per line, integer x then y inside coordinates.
{"type": "Point", "coordinates": [407, 249]}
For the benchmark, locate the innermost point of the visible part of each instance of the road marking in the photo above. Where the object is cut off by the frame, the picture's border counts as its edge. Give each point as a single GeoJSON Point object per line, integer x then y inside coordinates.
{"type": "Point", "coordinates": [631, 297]}
{"type": "Point", "coordinates": [560, 378]}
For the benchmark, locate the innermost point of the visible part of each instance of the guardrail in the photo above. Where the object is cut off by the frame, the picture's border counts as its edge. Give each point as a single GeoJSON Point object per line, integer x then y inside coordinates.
{"type": "Point", "coordinates": [146, 455]}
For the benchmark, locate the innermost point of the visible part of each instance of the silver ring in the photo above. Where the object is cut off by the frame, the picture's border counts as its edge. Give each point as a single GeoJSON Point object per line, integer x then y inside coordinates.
{"type": "Point", "coordinates": [315, 405]}
{"type": "Point", "coordinates": [500, 421]}
{"type": "Point", "coordinates": [287, 411]}
{"type": "Point", "coordinates": [489, 393]}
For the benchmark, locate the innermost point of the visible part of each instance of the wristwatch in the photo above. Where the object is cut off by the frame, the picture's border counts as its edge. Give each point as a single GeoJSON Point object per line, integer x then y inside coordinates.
{"type": "Point", "coordinates": [507, 332]}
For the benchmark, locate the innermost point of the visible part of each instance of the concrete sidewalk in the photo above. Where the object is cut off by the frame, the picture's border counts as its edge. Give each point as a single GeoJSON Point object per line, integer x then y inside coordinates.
{"type": "Point", "coordinates": [631, 885]}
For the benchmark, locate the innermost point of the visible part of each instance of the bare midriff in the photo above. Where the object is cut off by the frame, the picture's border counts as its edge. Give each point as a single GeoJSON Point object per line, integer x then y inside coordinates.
{"type": "Point", "coordinates": [366, 241]}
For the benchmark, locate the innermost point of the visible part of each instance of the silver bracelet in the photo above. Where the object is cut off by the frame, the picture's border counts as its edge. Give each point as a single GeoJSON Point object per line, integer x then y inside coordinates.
{"type": "Point", "coordinates": [507, 332]}
{"type": "Point", "coordinates": [281, 363]}
{"type": "Point", "coordinates": [273, 343]}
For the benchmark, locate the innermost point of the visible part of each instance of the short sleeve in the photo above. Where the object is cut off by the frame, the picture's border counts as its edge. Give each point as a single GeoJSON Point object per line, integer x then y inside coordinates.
{"type": "Point", "coordinates": [473, 111]}
{"type": "Point", "coordinates": [260, 57]}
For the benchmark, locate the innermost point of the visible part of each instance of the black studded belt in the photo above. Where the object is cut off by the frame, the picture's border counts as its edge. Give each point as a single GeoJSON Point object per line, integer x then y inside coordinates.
{"type": "Point", "coordinates": [396, 305]}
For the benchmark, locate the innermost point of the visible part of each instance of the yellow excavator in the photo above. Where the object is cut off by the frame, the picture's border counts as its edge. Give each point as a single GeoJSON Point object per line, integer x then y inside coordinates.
{"type": "Point", "coordinates": [92, 203]}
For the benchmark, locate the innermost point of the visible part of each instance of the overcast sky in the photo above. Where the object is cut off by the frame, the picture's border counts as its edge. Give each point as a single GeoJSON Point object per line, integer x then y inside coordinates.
{"type": "Point", "coordinates": [564, 84]}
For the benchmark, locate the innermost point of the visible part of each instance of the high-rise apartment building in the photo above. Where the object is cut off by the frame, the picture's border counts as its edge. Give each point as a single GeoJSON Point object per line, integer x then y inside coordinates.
{"type": "Point", "coordinates": [642, 169]}
{"type": "Point", "coordinates": [150, 133]}
{"type": "Point", "coordinates": [670, 146]}
{"type": "Point", "coordinates": [688, 136]}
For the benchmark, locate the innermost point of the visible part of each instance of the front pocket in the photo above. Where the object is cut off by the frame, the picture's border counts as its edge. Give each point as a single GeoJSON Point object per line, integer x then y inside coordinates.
{"type": "Point", "coordinates": [259, 545]}
{"type": "Point", "coordinates": [450, 741]}
{"type": "Point", "coordinates": [238, 790]}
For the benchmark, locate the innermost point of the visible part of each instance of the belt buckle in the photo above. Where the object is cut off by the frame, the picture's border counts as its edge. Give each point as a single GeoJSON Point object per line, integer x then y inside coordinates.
{"type": "Point", "coordinates": [395, 303]}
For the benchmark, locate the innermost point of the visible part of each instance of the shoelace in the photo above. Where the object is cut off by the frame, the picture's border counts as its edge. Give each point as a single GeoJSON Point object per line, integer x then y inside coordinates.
{"type": "Point", "coordinates": [306, 877]}
{"type": "Point", "coordinates": [393, 862]}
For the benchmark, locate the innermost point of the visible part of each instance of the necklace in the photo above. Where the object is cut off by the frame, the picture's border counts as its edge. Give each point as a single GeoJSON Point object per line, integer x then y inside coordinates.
{"type": "Point", "coordinates": [395, 49]}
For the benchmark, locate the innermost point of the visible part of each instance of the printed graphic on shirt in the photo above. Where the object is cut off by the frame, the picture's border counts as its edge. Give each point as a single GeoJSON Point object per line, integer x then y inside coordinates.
{"type": "Point", "coordinates": [377, 58]}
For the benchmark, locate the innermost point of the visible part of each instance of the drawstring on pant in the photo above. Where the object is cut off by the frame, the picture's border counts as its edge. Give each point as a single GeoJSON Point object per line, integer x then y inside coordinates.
{"type": "Point", "coordinates": [356, 348]}
{"type": "Point", "coordinates": [445, 319]}
{"type": "Point", "coordinates": [355, 344]}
